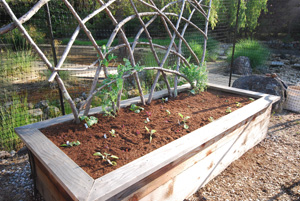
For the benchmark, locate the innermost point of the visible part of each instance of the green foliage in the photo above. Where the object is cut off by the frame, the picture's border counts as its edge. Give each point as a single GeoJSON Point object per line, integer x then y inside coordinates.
{"type": "Point", "coordinates": [151, 132]}
{"type": "Point", "coordinates": [184, 120]}
{"type": "Point", "coordinates": [196, 74]}
{"type": "Point", "coordinates": [253, 49]}
{"type": "Point", "coordinates": [11, 117]}
{"type": "Point", "coordinates": [135, 108]}
{"type": "Point", "coordinates": [89, 120]}
{"type": "Point", "coordinates": [107, 157]}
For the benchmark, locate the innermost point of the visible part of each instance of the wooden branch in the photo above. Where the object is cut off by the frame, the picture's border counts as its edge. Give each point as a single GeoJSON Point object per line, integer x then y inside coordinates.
{"type": "Point", "coordinates": [78, 69]}
{"type": "Point", "coordinates": [147, 24]}
{"type": "Point", "coordinates": [202, 10]}
{"type": "Point", "coordinates": [73, 38]}
{"type": "Point", "coordinates": [132, 60]}
{"type": "Point", "coordinates": [167, 53]}
{"type": "Point", "coordinates": [155, 45]}
{"type": "Point", "coordinates": [206, 31]}
{"type": "Point", "coordinates": [174, 28]}
{"type": "Point", "coordinates": [180, 44]}
{"type": "Point", "coordinates": [68, 98]}
{"type": "Point", "coordinates": [25, 17]}
{"type": "Point", "coordinates": [167, 83]}
{"type": "Point", "coordinates": [94, 85]}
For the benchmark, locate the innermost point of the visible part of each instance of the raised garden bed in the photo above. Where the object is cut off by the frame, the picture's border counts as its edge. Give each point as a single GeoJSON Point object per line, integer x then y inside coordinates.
{"type": "Point", "coordinates": [172, 172]}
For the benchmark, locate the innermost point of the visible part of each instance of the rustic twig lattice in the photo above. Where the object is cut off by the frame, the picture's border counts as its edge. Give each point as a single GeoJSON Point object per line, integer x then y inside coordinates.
{"type": "Point", "coordinates": [154, 12]}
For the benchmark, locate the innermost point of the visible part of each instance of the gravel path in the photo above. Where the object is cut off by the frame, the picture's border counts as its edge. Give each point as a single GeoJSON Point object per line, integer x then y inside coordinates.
{"type": "Point", "coordinates": [269, 171]}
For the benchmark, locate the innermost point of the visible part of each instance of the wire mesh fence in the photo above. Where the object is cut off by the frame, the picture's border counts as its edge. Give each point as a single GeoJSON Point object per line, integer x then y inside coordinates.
{"type": "Point", "coordinates": [27, 96]}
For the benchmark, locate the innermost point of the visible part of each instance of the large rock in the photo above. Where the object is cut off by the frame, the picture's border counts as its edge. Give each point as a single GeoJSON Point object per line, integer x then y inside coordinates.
{"type": "Point", "coordinates": [263, 84]}
{"type": "Point", "coordinates": [242, 66]}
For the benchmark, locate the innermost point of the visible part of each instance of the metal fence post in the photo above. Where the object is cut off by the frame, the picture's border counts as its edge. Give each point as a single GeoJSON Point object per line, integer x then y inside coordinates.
{"type": "Point", "coordinates": [48, 17]}
{"type": "Point", "coordinates": [234, 40]}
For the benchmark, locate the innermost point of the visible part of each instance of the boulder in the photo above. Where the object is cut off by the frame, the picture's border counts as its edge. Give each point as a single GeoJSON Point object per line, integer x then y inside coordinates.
{"type": "Point", "coordinates": [42, 104]}
{"type": "Point", "coordinates": [52, 112]}
{"type": "Point", "coordinates": [36, 113]}
{"type": "Point", "coordinates": [241, 66]}
{"type": "Point", "coordinates": [263, 84]}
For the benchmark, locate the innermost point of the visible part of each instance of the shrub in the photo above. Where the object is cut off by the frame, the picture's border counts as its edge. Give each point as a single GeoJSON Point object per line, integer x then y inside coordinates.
{"type": "Point", "coordinates": [253, 49]}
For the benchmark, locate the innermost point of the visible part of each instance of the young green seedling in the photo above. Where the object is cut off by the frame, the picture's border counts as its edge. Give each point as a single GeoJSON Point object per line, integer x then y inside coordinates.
{"type": "Point", "coordinates": [228, 110]}
{"type": "Point", "coordinates": [113, 133]}
{"type": "Point", "coordinates": [169, 113]}
{"type": "Point", "coordinates": [164, 100]}
{"type": "Point", "coordinates": [147, 120]}
{"type": "Point", "coordinates": [238, 104]}
{"type": "Point", "coordinates": [211, 119]}
{"type": "Point", "coordinates": [70, 144]}
{"type": "Point", "coordinates": [251, 99]}
{"type": "Point", "coordinates": [89, 120]}
{"type": "Point", "coordinates": [135, 108]}
{"type": "Point", "coordinates": [107, 157]}
{"type": "Point", "coordinates": [150, 132]}
{"type": "Point", "coordinates": [184, 120]}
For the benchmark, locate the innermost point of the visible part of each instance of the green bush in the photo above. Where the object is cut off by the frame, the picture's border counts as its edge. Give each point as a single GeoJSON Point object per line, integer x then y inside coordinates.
{"type": "Point", "coordinates": [253, 49]}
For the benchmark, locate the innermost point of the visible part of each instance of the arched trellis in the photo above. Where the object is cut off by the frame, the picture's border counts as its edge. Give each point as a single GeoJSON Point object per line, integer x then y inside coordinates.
{"type": "Point", "coordinates": [171, 29]}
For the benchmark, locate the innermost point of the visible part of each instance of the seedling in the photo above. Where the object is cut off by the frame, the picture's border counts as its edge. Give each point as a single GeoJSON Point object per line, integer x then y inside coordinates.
{"type": "Point", "coordinates": [107, 157]}
{"type": "Point", "coordinates": [251, 99]}
{"type": "Point", "coordinates": [147, 120]}
{"type": "Point", "coordinates": [148, 114]}
{"type": "Point", "coordinates": [211, 119]}
{"type": "Point", "coordinates": [70, 144]}
{"type": "Point", "coordinates": [89, 120]}
{"type": "Point", "coordinates": [135, 108]}
{"type": "Point", "coordinates": [169, 113]}
{"type": "Point", "coordinates": [228, 110]}
{"type": "Point", "coordinates": [150, 132]}
{"type": "Point", "coordinates": [164, 100]}
{"type": "Point", "coordinates": [238, 104]}
{"type": "Point", "coordinates": [184, 120]}
{"type": "Point", "coordinates": [113, 133]}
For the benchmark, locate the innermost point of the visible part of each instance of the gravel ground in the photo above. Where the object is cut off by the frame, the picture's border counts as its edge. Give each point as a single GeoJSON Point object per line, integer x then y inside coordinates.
{"type": "Point", "coordinates": [269, 171]}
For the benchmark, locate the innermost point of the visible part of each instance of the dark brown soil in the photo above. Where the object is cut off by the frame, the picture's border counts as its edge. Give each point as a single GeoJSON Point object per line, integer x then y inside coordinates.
{"type": "Point", "coordinates": [132, 140]}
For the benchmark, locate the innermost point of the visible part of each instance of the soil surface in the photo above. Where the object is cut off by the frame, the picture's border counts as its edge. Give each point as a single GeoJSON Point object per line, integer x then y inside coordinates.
{"type": "Point", "coordinates": [131, 139]}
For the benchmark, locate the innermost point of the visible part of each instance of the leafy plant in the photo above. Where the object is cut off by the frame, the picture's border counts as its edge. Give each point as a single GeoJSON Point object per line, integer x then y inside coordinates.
{"type": "Point", "coordinates": [135, 108]}
{"type": "Point", "coordinates": [70, 144]}
{"type": "Point", "coordinates": [113, 133]}
{"type": "Point", "coordinates": [253, 49]}
{"type": "Point", "coordinates": [107, 157]}
{"type": "Point", "coordinates": [89, 120]}
{"type": "Point", "coordinates": [238, 104]}
{"type": "Point", "coordinates": [251, 99]}
{"type": "Point", "coordinates": [184, 120]}
{"type": "Point", "coordinates": [151, 132]}
{"type": "Point", "coordinates": [164, 100]}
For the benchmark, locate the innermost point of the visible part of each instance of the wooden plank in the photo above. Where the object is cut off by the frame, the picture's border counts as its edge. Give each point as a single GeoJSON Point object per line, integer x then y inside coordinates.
{"type": "Point", "coordinates": [203, 167]}
{"type": "Point", "coordinates": [65, 171]}
{"type": "Point", "coordinates": [120, 179]}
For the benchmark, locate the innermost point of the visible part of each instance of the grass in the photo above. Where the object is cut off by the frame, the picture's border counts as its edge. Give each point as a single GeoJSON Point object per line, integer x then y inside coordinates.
{"type": "Point", "coordinates": [16, 62]}
{"type": "Point", "coordinates": [253, 49]}
{"type": "Point", "coordinates": [13, 116]}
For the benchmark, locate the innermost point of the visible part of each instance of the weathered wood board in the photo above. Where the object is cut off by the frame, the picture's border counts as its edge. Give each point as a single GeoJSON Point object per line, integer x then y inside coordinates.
{"type": "Point", "coordinates": [187, 163]}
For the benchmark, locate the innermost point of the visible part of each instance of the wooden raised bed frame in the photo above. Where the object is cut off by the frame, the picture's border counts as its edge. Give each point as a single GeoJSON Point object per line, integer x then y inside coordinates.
{"type": "Point", "coordinates": [172, 172]}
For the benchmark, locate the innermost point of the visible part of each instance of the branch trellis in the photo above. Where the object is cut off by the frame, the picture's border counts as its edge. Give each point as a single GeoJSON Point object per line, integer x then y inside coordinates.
{"type": "Point", "coordinates": [183, 20]}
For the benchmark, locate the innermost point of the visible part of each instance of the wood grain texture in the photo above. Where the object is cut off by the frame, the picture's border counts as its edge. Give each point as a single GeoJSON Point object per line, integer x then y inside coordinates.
{"type": "Point", "coordinates": [155, 175]}
{"type": "Point", "coordinates": [128, 175]}
{"type": "Point", "coordinates": [64, 170]}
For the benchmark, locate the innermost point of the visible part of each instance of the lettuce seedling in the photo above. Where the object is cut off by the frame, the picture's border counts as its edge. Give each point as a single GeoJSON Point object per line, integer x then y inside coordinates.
{"type": "Point", "coordinates": [70, 144]}
{"type": "Point", "coordinates": [228, 110]}
{"type": "Point", "coordinates": [135, 108]}
{"type": "Point", "coordinates": [113, 133]}
{"type": "Point", "coordinates": [238, 104]}
{"type": "Point", "coordinates": [184, 120]}
{"type": "Point", "coordinates": [107, 157]}
{"type": "Point", "coordinates": [89, 120]}
{"type": "Point", "coordinates": [150, 132]}
{"type": "Point", "coordinates": [169, 113]}
{"type": "Point", "coordinates": [211, 119]}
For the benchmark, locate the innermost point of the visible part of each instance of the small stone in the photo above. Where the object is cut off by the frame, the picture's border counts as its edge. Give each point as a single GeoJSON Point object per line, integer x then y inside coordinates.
{"type": "Point", "coordinates": [22, 151]}
{"type": "Point", "coordinates": [4, 154]}
{"type": "Point", "coordinates": [276, 64]}
{"type": "Point", "coordinates": [13, 153]}
{"type": "Point", "coordinates": [296, 66]}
